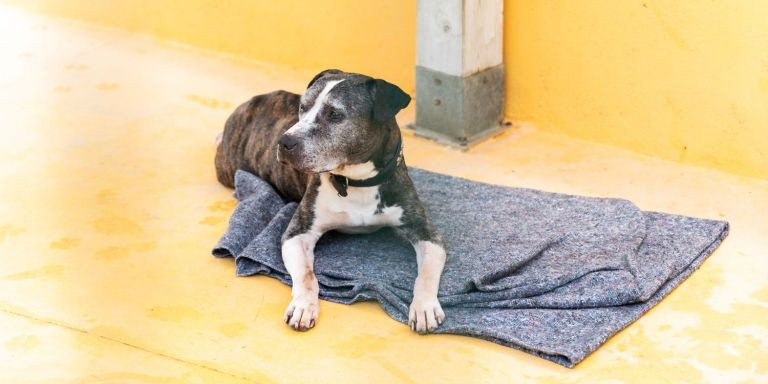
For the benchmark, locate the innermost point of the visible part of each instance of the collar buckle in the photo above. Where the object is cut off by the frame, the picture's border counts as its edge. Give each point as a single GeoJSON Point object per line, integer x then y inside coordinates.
{"type": "Point", "coordinates": [340, 183]}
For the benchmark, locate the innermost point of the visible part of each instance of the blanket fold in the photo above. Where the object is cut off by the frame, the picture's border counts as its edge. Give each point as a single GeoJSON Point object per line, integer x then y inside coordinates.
{"type": "Point", "coordinates": [551, 274]}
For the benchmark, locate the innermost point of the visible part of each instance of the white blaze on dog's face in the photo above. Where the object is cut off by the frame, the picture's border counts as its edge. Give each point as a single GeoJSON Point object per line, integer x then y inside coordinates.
{"type": "Point", "coordinates": [343, 119]}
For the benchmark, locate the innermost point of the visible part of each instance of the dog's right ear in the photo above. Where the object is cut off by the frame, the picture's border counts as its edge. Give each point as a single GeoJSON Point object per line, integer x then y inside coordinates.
{"type": "Point", "coordinates": [323, 73]}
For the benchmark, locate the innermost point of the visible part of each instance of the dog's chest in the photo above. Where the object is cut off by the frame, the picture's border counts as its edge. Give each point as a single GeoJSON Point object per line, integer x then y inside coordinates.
{"type": "Point", "coordinates": [358, 212]}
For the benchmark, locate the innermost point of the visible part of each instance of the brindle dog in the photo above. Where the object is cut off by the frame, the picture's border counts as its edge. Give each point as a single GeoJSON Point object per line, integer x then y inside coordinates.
{"type": "Point", "coordinates": [336, 150]}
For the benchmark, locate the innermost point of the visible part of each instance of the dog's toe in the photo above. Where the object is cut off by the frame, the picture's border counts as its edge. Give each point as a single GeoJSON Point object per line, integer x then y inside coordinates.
{"type": "Point", "coordinates": [425, 315]}
{"type": "Point", "coordinates": [301, 314]}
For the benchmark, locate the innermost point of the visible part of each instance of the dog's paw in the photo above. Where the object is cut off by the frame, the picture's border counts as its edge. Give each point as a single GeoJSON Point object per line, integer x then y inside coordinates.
{"type": "Point", "coordinates": [425, 314]}
{"type": "Point", "coordinates": [302, 312]}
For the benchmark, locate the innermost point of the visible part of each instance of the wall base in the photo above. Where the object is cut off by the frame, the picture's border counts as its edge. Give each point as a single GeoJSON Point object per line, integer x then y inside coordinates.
{"type": "Point", "coordinates": [459, 110]}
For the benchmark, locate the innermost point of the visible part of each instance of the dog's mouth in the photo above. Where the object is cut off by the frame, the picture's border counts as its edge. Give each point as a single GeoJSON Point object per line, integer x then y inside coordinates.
{"type": "Point", "coordinates": [313, 171]}
{"type": "Point", "coordinates": [303, 170]}
{"type": "Point", "coordinates": [296, 162]}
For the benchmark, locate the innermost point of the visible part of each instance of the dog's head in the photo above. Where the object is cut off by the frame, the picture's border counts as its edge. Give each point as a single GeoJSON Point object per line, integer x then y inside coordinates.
{"type": "Point", "coordinates": [344, 118]}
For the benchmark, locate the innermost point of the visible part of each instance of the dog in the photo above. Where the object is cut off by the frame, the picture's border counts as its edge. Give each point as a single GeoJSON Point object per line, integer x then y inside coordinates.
{"type": "Point", "coordinates": [337, 151]}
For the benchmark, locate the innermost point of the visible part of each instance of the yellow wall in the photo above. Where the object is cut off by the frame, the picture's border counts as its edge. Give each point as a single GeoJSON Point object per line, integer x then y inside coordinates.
{"type": "Point", "coordinates": [373, 37]}
{"type": "Point", "coordinates": [686, 80]}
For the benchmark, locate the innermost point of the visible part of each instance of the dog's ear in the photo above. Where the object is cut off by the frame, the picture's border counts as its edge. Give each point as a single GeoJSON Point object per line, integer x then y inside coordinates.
{"type": "Point", "coordinates": [388, 99]}
{"type": "Point", "coordinates": [323, 73]}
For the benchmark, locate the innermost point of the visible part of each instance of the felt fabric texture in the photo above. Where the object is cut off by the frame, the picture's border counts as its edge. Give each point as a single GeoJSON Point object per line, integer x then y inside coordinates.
{"type": "Point", "coordinates": [550, 274]}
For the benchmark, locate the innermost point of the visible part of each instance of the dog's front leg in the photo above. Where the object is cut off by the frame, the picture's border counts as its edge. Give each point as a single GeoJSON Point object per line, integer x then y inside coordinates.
{"type": "Point", "coordinates": [425, 312]}
{"type": "Point", "coordinates": [298, 257]}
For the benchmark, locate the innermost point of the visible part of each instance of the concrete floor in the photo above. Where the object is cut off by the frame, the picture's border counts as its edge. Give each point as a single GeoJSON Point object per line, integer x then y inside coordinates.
{"type": "Point", "coordinates": [109, 207]}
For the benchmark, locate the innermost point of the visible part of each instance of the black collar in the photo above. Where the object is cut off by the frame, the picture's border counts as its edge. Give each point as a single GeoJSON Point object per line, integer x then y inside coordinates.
{"type": "Point", "coordinates": [342, 182]}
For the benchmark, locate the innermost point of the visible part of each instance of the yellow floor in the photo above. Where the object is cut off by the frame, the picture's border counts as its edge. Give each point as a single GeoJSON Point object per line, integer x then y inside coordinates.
{"type": "Point", "coordinates": [109, 207]}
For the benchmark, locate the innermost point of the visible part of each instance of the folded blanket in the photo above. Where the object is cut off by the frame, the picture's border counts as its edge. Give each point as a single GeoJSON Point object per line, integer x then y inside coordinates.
{"type": "Point", "coordinates": [550, 274]}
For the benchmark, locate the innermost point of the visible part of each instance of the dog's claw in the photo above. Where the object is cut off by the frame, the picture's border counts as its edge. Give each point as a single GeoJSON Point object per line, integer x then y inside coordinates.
{"type": "Point", "coordinates": [302, 313]}
{"type": "Point", "coordinates": [425, 315]}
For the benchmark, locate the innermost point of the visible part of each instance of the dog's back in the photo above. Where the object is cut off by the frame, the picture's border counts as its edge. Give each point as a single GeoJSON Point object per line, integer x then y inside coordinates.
{"type": "Point", "coordinates": [249, 142]}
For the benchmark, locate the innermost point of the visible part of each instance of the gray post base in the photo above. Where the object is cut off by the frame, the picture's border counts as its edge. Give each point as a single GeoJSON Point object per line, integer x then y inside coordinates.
{"type": "Point", "coordinates": [456, 110]}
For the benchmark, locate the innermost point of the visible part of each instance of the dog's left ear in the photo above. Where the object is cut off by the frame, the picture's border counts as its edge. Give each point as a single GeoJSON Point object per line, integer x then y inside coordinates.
{"type": "Point", "coordinates": [388, 99]}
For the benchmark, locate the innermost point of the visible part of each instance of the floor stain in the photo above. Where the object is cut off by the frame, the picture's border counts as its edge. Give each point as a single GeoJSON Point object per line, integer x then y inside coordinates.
{"type": "Point", "coordinates": [402, 376]}
{"type": "Point", "coordinates": [223, 206]}
{"type": "Point", "coordinates": [10, 230]}
{"type": "Point", "coordinates": [763, 84]}
{"type": "Point", "coordinates": [116, 225]}
{"type": "Point", "coordinates": [129, 377]}
{"type": "Point", "coordinates": [119, 252]}
{"type": "Point", "coordinates": [232, 329]}
{"type": "Point", "coordinates": [173, 313]}
{"type": "Point", "coordinates": [110, 331]}
{"type": "Point", "coordinates": [761, 295]}
{"type": "Point", "coordinates": [65, 243]}
{"type": "Point", "coordinates": [669, 28]}
{"type": "Point", "coordinates": [639, 364]}
{"type": "Point", "coordinates": [22, 343]}
{"type": "Point", "coordinates": [212, 220]}
{"type": "Point", "coordinates": [75, 67]}
{"type": "Point", "coordinates": [638, 352]}
{"type": "Point", "coordinates": [106, 196]}
{"type": "Point", "coordinates": [107, 86]}
{"type": "Point", "coordinates": [209, 102]}
{"type": "Point", "coordinates": [361, 345]}
{"type": "Point", "coordinates": [53, 270]}
{"type": "Point", "coordinates": [717, 329]}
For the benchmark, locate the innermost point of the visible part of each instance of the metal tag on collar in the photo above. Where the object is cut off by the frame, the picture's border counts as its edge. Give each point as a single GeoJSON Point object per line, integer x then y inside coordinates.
{"type": "Point", "coordinates": [340, 184]}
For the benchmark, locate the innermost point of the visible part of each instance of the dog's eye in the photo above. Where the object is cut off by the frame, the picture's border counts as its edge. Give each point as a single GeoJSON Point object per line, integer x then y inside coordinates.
{"type": "Point", "coordinates": [335, 116]}
{"type": "Point", "coordinates": [302, 108]}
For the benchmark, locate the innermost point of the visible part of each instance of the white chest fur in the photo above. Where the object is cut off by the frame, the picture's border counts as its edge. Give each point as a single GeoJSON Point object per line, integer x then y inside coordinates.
{"type": "Point", "coordinates": [358, 212]}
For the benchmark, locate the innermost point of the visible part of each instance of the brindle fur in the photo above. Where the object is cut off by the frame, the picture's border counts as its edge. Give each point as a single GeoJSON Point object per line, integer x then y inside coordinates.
{"type": "Point", "coordinates": [249, 142]}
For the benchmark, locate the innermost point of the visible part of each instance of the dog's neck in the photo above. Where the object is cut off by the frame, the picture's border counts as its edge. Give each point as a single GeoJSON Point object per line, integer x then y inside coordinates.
{"type": "Point", "coordinates": [381, 158]}
{"type": "Point", "coordinates": [376, 171]}
{"type": "Point", "coordinates": [357, 171]}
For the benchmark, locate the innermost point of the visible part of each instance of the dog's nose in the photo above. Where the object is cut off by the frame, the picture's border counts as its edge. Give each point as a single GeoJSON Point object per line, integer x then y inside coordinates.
{"type": "Point", "coordinates": [288, 142]}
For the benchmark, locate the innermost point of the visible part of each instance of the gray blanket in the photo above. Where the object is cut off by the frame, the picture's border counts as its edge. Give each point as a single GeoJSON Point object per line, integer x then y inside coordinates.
{"type": "Point", "coordinates": [550, 274]}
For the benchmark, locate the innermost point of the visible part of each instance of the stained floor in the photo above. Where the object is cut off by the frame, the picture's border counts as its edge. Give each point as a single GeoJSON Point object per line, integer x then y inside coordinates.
{"type": "Point", "coordinates": [109, 207]}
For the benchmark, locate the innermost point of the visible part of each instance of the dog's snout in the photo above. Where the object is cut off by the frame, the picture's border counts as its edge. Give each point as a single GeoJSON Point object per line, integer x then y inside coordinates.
{"type": "Point", "coordinates": [288, 142]}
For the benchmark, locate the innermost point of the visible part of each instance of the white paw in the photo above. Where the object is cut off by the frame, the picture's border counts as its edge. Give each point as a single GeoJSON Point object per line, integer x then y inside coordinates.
{"type": "Point", "coordinates": [302, 312]}
{"type": "Point", "coordinates": [425, 314]}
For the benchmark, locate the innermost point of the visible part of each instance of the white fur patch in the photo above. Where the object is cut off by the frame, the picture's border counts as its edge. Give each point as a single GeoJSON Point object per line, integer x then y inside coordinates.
{"type": "Point", "coordinates": [357, 171]}
{"type": "Point", "coordinates": [355, 213]}
{"type": "Point", "coordinates": [310, 115]}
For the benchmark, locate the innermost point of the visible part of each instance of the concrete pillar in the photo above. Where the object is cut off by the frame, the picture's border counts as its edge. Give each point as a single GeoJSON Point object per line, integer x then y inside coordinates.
{"type": "Point", "coordinates": [459, 70]}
